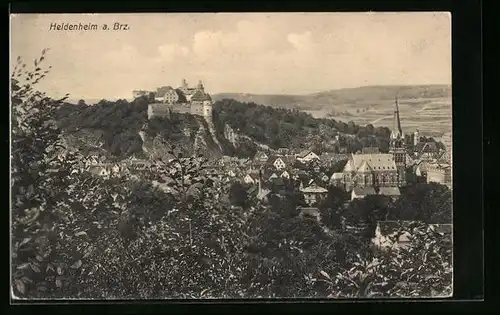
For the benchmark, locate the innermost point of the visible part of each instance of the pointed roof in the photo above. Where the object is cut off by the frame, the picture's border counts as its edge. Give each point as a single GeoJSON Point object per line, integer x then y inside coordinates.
{"type": "Point", "coordinates": [161, 91]}
{"type": "Point", "coordinates": [263, 193]}
{"type": "Point", "coordinates": [349, 167]}
{"type": "Point", "coordinates": [397, 131]}
{"type": "Point", "coordinates": [364, 191]}
{"type": "Point", "coordinates": [314, 189]}
{"type": "Point", "coordinates": [389, 191]}
{"type": "Point", "coordinates": [365, 168]}
{"type": "Point", "coordinates": [337, 176]}
{"type": "Point", "coordinates": [377, 161]}
{"type": "Point", "coordinates": [200, 96]}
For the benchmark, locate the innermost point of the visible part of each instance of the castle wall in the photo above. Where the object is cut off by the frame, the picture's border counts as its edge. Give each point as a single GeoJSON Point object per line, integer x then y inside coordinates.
{"type": "Point", "coordinates": [163, 110]}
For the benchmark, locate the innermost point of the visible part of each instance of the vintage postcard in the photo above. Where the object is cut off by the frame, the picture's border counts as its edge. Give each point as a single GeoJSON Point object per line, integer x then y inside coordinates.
{"type": "Point", "coordinates": [231, 155]}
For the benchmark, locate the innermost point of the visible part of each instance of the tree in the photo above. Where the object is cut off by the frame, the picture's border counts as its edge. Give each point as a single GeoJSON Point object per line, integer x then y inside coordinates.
{"type": "Point", "coordinates": [40, 169]}
{"type": "Point", "coordinates": [424, 202]}
{"type": "Point", "coordinates": [423, 269]}
{"type": "Point", "coordinates": [238, 195]}
{"type": "Point", "coordinates": [331, 207]}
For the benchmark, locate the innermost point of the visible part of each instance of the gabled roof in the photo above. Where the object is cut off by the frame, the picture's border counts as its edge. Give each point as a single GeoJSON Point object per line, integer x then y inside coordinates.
{"type": "Point", "coordinates": [377, 161]}
{"type": "Point", "coordinates": [304, 153]}
{"type": "Point", "coordinates": [260, 155]}
{"type": "Point", "coordinates": [349, 167]}
{"type": "Point", "coordinates": [364, 191]}
{"type": "Point", "coordinates": [252, 190]}
{"type": "Point", "coordinates": [426, 147]}
{"type": "Point", "coordinates": [389, 191]}
{"type": "Point", "coordinates": [182, 97]}
{"type": "Point", "coordinates": [393, 227]}
{"type": "Point", "coordinates": [337, 176]}
{"type": "Point", "coordinates": [438, 166]}
{"type": "Point", "coordinates": [314, 189]}
{"type": "Point", "coordinates": [161, 91]}
{"type": "Point", "coordinates": [263, 193]}
{"type": "Point", "coordinates": [365, 168]}
{"type": "Point", "coordinates": [255, 177]}
{"type": "Point", "coordinates": [200, 96]}
{"type": "Point", "coordinates": [441, 228]}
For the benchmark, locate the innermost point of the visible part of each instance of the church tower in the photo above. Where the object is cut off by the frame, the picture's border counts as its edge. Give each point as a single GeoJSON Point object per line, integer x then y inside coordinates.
{"type": "Point", "coordinates": [397, 146]}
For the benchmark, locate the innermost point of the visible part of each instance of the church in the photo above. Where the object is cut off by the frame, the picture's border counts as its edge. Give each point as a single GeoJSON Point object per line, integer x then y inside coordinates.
{"type": "Point", "coordinates": [375, 170]}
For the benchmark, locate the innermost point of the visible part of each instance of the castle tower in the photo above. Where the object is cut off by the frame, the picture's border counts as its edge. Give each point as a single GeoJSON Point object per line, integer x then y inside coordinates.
{"type": "Point", "coordinates": [200, 86]}
{"type": "Point", "coordinates": [416, 138]}
{"type": "Point", "coordinates": [397, 146]}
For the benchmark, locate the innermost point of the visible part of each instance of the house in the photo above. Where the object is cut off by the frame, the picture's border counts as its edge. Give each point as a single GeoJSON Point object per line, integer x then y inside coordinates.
{"type": "Point", "coordinates": [263, 194]}
{"type": "Point", "coordinates": [100, 170]}
{"type": "Point", "coordinates": [307, 156]}
{"type": "Point", "coordinates": [250, 179]}
{"type": "Point", "coordinates": [362, 192]}
{"type": "Point", "coordinates": [279, 164]}
{"type": "Point", "coordinates": [389, 191]}
{"type": "Point", "coordinates": [336, 179]}
{"type": "Point", "coordinates": [309, 212]}
{"type": "Point", "coordinates": [252, 191]}
{"type": "Point", "coordinates": [285, 174]}
{"type": "Point", "coordinates": [324, 178]}
{"type": "Point", "coordinates": [420, 169]}
{"type": "Point", "coordinates": [393, 234]}
{"type": "Point", "coordinates": [261, 157]}
{"type": "Point", "coordinates": [439, 173]}
{"type": "Point", "coordinates": [273, 176]}
{"type": "Point", "coordinates": [313, 193]}
{"type": "Point", "coordinates": [426, 150]}
{"type": "Point", "coordinates": [398, 234]}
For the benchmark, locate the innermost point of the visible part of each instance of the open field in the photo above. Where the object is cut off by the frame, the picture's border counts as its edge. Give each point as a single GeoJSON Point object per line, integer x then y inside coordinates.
{"type": "Point", "coordinates": [432, 117]}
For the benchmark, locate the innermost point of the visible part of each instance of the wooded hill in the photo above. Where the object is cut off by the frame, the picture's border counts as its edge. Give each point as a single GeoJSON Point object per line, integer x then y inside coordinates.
{"type": "Point", "coordinates": [342, 96]}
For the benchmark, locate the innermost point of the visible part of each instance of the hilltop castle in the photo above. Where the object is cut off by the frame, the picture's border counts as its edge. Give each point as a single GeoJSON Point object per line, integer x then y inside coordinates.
{"type": "Point", "coordinates": [181, 100]}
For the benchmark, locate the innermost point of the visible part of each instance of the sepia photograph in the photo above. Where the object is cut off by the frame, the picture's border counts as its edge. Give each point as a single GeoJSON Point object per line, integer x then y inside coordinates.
{"type": "Point", "coordinates": [231, 156]}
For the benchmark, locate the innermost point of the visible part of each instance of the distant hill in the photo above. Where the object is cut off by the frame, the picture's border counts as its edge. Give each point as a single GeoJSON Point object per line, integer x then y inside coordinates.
{"type": "Point", "coordinates": [359, 95]}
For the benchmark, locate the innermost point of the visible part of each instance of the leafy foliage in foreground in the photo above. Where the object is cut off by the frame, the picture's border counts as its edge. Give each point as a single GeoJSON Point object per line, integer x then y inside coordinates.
{"type": "Point", "coordinates": [77, 235]}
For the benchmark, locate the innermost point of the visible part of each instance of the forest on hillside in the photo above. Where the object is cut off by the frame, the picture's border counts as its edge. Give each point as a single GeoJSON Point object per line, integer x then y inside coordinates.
{"type": "Point", "coordinates": [118, 124]}
{"type": "Point", "coordinates": [279, 127]}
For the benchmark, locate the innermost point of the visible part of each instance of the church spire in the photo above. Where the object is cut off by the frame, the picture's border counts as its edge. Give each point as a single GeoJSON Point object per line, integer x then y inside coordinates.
{"type": "Point", "coordinates": [397, 131]}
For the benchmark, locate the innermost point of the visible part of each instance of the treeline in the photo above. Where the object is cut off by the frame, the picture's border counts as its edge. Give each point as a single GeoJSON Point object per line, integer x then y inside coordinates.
{"type": "Point", "coordinates": [119, 121]}
{"type": "Point", "coordinates": [278, 127]}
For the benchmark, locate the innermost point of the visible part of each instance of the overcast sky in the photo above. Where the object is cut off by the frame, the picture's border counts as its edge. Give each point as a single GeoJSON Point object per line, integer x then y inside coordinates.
{"type": "Point", "coordinates": [281, 53]}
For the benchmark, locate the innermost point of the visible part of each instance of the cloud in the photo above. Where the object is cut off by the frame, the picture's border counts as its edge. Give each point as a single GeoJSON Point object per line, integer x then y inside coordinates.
{"type": "Point", "coordinates": [170, 52]}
